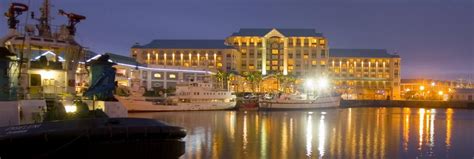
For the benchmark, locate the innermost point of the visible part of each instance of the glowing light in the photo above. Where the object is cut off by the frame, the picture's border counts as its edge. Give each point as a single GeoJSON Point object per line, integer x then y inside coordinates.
{"type": "Point", "coordinates": [70, 108]}
{"type": "Point", "coordinates": [323, 83]}
{"type": "Point", "coordinates": [51, 53]}
{"type": "Point", "coordinates": [309, 83]}
{"type": "Point", "coordinates": [433, 83]}
{"type": "Point", "coordinates": [422, 88]}
{"type": "Point", "coordinates": [407, 90]}
{"type": "Point", "coordinates": [47, 74]}
{"type": "Point", "coordinates": [440, 93]}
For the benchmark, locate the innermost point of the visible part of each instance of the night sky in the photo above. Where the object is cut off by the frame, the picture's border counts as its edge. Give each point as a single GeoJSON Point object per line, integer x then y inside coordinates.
{"type": "Point", "coordinates": [435, 38]}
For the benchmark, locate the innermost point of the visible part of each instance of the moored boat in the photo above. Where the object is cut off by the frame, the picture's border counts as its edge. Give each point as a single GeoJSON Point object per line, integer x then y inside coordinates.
{"type": "Point", "coordinates": [302, 101]}
{"type": "Point", "coordinates": [189, 96]}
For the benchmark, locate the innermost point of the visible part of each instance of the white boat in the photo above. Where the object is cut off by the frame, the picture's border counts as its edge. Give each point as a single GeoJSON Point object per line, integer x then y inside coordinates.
{"type": "Point", "coordinates": [189, 96]}
{"type": "Point", "coordinates": [302, 101]}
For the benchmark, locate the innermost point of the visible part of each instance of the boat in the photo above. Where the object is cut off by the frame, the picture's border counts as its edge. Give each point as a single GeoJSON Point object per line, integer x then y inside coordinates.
{"type": "Point", "coordinates": [93, 138]}
{"type": "Point", "coordinates": [300, 101]}
{"type": "Point", "coordinates": [189, 96]}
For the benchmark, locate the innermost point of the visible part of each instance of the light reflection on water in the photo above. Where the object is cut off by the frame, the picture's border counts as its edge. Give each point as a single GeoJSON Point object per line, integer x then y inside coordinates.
{"type": "Point", "coordinates": [336, 133]}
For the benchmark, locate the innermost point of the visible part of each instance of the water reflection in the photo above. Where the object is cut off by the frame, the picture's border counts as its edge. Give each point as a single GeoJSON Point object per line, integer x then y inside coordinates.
{"type": "Point", "coordinates": [336, 133]}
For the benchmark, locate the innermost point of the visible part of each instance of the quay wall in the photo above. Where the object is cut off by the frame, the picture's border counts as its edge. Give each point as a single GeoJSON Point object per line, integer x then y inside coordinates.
{"type": "Point", "coordinates": [407, 103]}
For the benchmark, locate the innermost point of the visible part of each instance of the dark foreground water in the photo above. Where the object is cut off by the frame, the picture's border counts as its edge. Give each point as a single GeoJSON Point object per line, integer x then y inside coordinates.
{"type": "Point", "coordinates": [332, 133]}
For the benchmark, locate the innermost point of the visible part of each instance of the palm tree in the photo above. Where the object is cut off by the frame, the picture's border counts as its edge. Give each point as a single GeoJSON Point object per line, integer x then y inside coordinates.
{"type": "Point", "coordinates": [220, 77]}
{"type": "Point", "coordinates": [254, 78]}
{"type": "Point", "coordinates": [280, 80]}
{"type": "Point", "coordinates": [289, 81]}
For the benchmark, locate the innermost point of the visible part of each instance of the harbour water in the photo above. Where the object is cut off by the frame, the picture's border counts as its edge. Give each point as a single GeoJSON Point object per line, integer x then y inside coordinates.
{"type": "Point", "coordinates": [330, 133]}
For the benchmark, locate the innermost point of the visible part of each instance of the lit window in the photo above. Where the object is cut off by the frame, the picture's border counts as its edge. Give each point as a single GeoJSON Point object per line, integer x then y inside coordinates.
{"type": "Point", "coordinates": [313, 62]}
{"type": "Point", "coordinates": [322, 41]}
{"type": "Point", "coordinates": [251, 67]}
{"type": "Point", "coordinates": [323, 62]}
{"type": "Point", "coordinates": [172, 76]}
{"type": "Point", "coordinates": [274, 51]}
{"type": "Point", "coordinates": [274, 62]}
{"type": "Point", "coordinates": [219, 64]}
{"type": "Point", "coordinates": [157, 75]}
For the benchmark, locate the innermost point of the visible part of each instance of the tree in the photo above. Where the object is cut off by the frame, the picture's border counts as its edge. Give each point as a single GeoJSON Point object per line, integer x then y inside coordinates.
{"type": "Point", "coordinates": [220, 77]}
{"type": "Point", "coordinates": [254, 78]}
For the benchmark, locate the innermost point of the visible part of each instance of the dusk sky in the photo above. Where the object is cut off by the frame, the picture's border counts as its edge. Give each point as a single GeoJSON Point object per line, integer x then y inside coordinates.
{"type": "Point", "coordinates": [435, 38]}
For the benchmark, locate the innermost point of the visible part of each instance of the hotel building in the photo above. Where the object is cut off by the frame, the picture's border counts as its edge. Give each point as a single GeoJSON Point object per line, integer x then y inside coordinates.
{"type": "Point", "coordinates": [302, 53]}
{"type": "Point", "coordinates": [365, 73]}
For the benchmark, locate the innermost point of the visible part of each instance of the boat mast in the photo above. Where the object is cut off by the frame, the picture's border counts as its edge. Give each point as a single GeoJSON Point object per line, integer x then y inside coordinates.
{"type": "Point", "coordinates": [44, 27]}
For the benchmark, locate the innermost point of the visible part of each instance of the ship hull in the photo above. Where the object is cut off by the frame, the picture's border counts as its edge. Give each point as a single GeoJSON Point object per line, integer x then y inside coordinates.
{"type": "Point", "coordinates": [146, 106]}
{"type": "Point", "coordinates": [326, 102]}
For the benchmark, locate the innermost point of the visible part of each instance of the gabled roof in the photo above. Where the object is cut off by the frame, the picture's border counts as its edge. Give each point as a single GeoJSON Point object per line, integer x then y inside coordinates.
{"type": "Point", "coordinates": [185, 44]}
{"type": "Point", "coordinates": [123, 59]}
{"type": "Point", "coordinates": [286, 32]}
{"type": "Point", "coordinates": [377, 53]}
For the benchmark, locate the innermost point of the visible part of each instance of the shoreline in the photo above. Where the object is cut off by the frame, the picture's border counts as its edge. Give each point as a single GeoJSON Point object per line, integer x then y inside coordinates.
{"type": "Point", "coordinates": [407, 103]}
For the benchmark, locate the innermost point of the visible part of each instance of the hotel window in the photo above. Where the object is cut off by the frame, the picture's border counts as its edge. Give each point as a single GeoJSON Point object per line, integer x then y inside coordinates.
{"type": "Point", "coordinates": [251, 67]}
{"type": "Point", "coordinates": [314, 62]}
{"type": "Point", "coordinates": [228, 55]}
{"type": "Point", "coordinates": [157, 75]}
{"type": "Point", "coordinates": [274, 62]}
{"type": "Point", "coordinates": [306, 42]}
{"type": "Point", "coordinates": [322, 42]}
{"type": "Point", "coordinates": [290, 55]}
{"type": "Point", "coordinates": [323, 53]}
{"type": "Point", "coordinates": [172, 76]}
{"type": "Point", "coordinates": [274, 51]}
{"type": "Point", "coordinates": [274, 67]}
{"type": "Point", "coordinates": [219, 64]}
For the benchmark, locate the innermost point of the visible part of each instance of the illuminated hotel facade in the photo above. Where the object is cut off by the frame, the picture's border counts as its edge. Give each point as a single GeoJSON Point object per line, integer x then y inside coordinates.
{"type": "Point", "coordinates": [301, 53]}
{"type": "Point", "coordinates": [298, 52]}
{"type": "Point", "coordinates": [197, 54]}
{"type": "Point", "coordinates": [365, 73]}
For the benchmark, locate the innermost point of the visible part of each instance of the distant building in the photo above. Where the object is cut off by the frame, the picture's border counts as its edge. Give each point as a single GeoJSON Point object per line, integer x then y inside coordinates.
{"type": "Point", "coordinates": [463, 94]}
{"type": "Point", "coordinates": [429, 89]}
{"type": "Point", "coordinates": [365, 73]}
{"type": "Point", "coordinates": [135, 75]}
